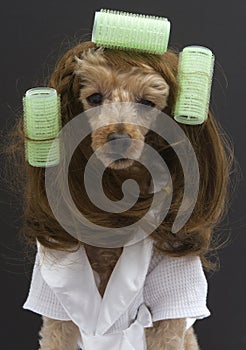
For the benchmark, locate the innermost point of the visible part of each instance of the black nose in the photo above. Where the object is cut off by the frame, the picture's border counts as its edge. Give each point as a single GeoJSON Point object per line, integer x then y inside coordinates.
{"type": "Point", "coordinates": [124, 141]}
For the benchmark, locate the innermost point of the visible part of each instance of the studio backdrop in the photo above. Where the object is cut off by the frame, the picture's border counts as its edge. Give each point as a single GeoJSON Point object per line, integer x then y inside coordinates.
{"type": "Point", "coordinates": [33, 36]}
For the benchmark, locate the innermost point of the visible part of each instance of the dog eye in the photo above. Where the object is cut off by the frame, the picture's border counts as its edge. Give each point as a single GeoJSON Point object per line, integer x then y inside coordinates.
{"type": "Point", "coordinates": [95, 99]}
{"type": "Point", "coordinates": [146, 102]}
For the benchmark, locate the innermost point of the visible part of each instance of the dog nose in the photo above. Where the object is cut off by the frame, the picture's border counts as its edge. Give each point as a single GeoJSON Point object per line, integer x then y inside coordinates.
{"type": "Point", "coordinates": [124, 140]}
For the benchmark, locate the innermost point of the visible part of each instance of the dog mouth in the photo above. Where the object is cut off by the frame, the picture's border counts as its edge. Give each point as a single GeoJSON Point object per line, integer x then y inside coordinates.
{"type": "Point", "coordinates": [119, 161]}
{"type": "Point", "coordinates": [118, 151]}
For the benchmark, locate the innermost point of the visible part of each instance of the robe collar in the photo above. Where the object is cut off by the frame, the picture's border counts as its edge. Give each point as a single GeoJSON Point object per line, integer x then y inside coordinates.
{"type": "Point", "coordinates": [71, 278]}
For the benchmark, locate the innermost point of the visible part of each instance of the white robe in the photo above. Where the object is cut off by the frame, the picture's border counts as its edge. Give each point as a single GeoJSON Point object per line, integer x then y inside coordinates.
{"type": "Point", "coordinates": [145, 286]}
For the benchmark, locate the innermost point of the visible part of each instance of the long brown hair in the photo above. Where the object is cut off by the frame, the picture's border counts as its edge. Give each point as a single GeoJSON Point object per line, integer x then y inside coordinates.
{"type": "Point", "coordinates": [210, 145]}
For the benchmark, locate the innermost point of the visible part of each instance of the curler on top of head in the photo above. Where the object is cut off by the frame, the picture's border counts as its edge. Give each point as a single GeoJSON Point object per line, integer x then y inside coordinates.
{"type": "Point", "coordinates": [123, 30]}
{"type": "Point", "coordinates": [196, 64]}
{"type": "Point", "coordinates": [42, 123]}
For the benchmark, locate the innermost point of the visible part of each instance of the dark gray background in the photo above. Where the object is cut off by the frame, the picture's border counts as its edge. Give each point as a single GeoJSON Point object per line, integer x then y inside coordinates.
{"type": "Point", "coordinates": [33, 35]}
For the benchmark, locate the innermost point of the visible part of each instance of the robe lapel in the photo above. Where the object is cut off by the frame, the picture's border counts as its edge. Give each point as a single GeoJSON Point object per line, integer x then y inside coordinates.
{"type": "Point", "coordinates": [125, 283]}
{"type": "Point", "coordinates": [71, 278]}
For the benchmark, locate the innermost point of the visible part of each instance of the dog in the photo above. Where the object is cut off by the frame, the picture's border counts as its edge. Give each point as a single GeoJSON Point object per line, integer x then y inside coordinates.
{"type": "Point", "coordinates": [87, 77]}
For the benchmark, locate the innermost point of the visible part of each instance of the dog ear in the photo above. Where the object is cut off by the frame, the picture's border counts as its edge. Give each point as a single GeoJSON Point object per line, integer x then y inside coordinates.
{"type": "Point", "coordinates": [67, 83]}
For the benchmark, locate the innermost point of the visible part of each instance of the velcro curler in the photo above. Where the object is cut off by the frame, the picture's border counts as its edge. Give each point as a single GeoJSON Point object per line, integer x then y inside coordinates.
{"type": "Point", "coordinates": [196, 64]}
{"type": "Point", "coordinates": [42, 123]}
{"type": "Point", "coordinates": [123, 30]}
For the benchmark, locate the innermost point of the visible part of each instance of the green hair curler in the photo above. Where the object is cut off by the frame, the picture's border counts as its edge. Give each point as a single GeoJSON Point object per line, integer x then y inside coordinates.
{"type": "Point", "coordinates": [42, 122]}
{"type": "Point", "coordinates": [196, 64]}
{"type": "Point", "coordinates": [123, 30]}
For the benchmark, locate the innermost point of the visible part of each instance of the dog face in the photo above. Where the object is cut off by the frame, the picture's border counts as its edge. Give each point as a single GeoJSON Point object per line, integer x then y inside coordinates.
{"type": "Point", "coordinates": [103, 84]}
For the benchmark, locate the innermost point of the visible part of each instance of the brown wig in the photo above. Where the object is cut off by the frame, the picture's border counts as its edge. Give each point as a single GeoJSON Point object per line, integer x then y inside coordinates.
{"type": "Point", "coordinates": [207, 140]}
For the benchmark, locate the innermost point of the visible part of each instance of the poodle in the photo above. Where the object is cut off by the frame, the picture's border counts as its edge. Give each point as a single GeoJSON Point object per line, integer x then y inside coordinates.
{"type": "Point", "coordinates": [173, 287]}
